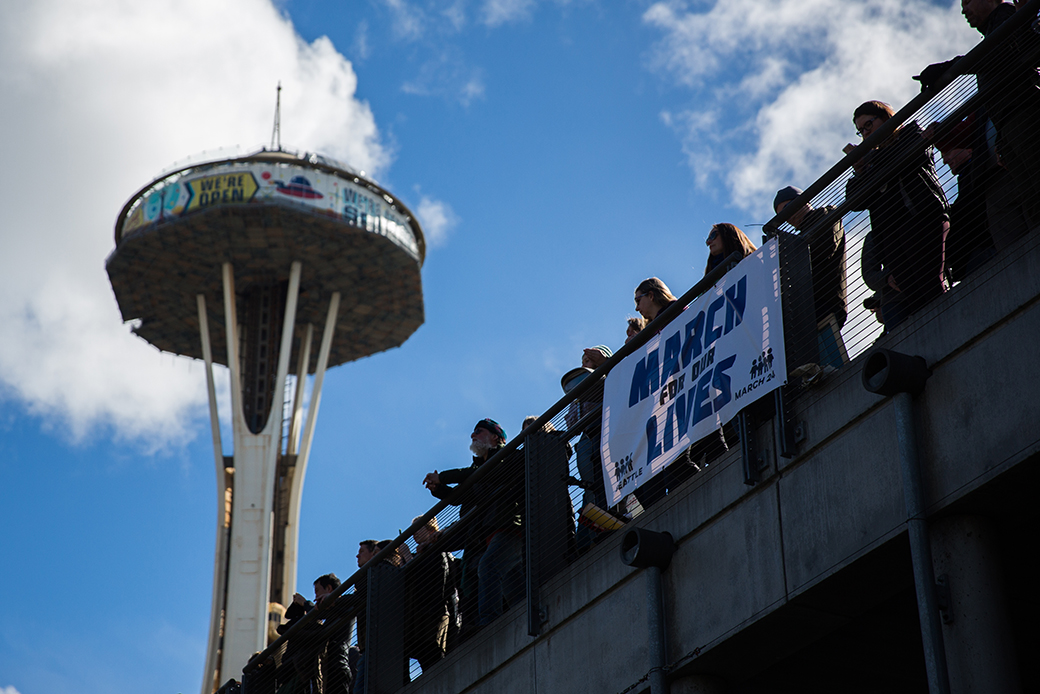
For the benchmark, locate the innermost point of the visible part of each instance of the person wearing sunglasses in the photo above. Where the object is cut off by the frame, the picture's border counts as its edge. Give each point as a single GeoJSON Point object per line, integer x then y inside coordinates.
{"type": "Point", "coordinates": [492, 511]}
{"type": "Point", "coordinates": [724, 239]}
{"type": "Point", "coordinates": [909, 215]}
{"type": "Point", "coordinates": [652, 296]}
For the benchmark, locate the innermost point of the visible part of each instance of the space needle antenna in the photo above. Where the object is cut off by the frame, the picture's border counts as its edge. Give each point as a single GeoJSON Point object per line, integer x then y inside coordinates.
{"type": "Point", "coordinates": [276, 132]}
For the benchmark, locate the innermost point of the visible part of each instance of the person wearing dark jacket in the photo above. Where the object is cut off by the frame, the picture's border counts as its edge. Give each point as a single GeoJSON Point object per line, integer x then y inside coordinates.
{"type": "Point", "coordinates": [827, 269]}
{"type": "Point", "coordinates": [909, 215]}
{"type": "Point", "coordinates": [987, 215]}
{"type": "Point", "coordinates": [491, 514]}
{"type": "Point", "coordinates": [318, 658]}
{"type": "Point", "coordinates": [431, 593]}
{"type": "Point", "coordinates": [1009, 89]}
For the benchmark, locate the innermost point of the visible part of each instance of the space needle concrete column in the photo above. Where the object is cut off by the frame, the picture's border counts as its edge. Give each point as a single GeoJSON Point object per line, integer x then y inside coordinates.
{"type": "Point", "coordinates": [252, 512]}
{"type": "Point", "coordinates": [270, 244]}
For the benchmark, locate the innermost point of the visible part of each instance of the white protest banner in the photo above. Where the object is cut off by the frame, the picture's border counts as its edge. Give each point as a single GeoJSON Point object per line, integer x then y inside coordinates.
{"type": "Point", "coordinates": [723, 352]}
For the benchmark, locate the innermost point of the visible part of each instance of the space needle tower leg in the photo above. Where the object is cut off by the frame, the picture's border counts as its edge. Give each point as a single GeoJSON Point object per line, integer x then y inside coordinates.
{"type": "Point", "coordinates": [220, 562]}
{"type": "Point", "coordinates": [292, 534]}
{"type": "Point", "coordinates": [255, 458]}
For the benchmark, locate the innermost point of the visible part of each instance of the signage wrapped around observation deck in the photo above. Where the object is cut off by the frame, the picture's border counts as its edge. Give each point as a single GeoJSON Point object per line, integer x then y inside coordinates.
{"type": "Point", "coordinates": [246, 182]}
{"type": "Point", "coordinates": [723, 352]}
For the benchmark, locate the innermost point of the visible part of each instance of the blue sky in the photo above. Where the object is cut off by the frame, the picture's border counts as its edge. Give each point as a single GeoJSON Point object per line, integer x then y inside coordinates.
{"type": "Point", "coordinates": [557, 151]}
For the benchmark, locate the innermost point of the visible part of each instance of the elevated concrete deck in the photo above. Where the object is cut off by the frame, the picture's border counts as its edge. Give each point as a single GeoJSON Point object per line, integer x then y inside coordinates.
{"type": "Point", "coordinates": [803, 581]}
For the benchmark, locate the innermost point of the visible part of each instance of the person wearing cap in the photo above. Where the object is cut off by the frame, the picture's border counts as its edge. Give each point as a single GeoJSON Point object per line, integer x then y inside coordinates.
{"type": "Point", "coordinates": [590, 465]}
{"type": "Point", "coordinates": [491, 513]}
{"type": "Point", "coordinates": [827, 268]}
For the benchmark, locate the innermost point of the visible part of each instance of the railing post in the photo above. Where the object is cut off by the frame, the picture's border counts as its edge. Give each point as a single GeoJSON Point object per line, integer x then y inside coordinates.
{"type": "Point", "coordinates": [548, 517]}
{"type": "Point", "coordinates": [387, 668]}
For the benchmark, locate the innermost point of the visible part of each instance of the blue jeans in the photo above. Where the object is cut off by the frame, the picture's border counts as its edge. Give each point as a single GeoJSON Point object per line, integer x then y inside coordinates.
{"type": "Point", "coordinates": [359, 676]}
{"type": "Point", "coordinates": [829, 342]}
{"type": "Point", "coordinates": [499, 575]}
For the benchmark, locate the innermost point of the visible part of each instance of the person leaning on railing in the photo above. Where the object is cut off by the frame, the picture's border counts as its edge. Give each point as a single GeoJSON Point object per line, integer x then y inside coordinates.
{"type": "Point", "coordinates": [1009, 88]}
{"type": "Point", "coordinates": [909, 215]}
{"type": "Point", "coordinates": [987, 215]}
{"type": "Point", "coordinates": [318, 658]}
{"type": "Point", "coordinates": [635, 326]}
{"type": "Point", "coordinates": [431, 591]}
{"type": "Point", "coordinates": [491, 514]}
{"type": "Point", "coordinates": [587, 449]}
{"type": "Point", "coordinates": [827, 269]}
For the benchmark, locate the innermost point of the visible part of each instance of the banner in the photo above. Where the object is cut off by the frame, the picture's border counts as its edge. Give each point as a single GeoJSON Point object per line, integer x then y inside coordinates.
{"type": "Point", "coordinates": [722, 353]}
{"type": "Point", "coordinates": [246, 182]}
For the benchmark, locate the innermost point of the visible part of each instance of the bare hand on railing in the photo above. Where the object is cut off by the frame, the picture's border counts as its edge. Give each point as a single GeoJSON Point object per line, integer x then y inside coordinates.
{"type": "Point", "coordinates": [858, 166]}
{"type": "Point", "coordinates": [432, 480]}
{"type": "Point", "coordinates": [596, 357]}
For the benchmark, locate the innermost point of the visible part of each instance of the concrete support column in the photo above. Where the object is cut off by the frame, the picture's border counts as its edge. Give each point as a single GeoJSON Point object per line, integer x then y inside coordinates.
{"type": "Point", "coordinates": [980, 648]}
{"type": "Point", "coordinates": [699, 684]}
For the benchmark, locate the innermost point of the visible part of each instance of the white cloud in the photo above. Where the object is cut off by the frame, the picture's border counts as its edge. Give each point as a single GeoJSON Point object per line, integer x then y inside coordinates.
{"type": "Point", "coordinates": [498, 12]}
{"type": "Point", "coordinates": [408, 19]}
{"type": "Point", "coordinates": [99, 95]}
{"type": "Point", "coordinates": [472, 90]}
{"type": "Point", "coordinates": [448, 75]}
{"type": "Point", "coordinates": [361, 48]}
{"type": "Point", "coordinates": [791, 73]}
{"type": "Point", "coordinates": [455, 13]}
{"type": "Point", "coordinates": [437, 219]}
{"type": "Point", "coordinates": [8, 690]}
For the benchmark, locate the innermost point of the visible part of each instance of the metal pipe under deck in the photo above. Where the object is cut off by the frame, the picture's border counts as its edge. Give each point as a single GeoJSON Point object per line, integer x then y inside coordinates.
{"type": "Point", "coordinates": [656, 646]}
{"type": "Point", "coordinates": [920, 546]}
{"type": "Point", "coordinates": [901, 376]}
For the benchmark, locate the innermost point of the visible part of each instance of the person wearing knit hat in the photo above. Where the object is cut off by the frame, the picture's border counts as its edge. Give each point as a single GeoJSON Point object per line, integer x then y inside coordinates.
{"type": "Point", "coordinates": [785, 195]}
{"type": "Point", "coordinates": [492, 426]}
{"type": "Point", "coordinates": [827, 266]}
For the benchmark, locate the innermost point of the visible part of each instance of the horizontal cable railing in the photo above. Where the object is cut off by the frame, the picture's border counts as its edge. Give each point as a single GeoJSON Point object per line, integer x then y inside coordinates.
{"type": "Point", "coordinates": [892, 230]}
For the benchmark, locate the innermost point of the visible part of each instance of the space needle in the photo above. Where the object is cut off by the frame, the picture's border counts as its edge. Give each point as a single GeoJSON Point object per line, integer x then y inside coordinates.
{"type": "Point", "coordinates": [251, 262]}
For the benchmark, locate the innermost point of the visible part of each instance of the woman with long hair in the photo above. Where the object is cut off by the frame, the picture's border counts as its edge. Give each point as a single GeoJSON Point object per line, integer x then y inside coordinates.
{"type": "Point", "coordinates": [909, 214]}
{"type": "Point", "coordinates": [724, 239]}
{"type": "Point", "coordinates": [652, 297]}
